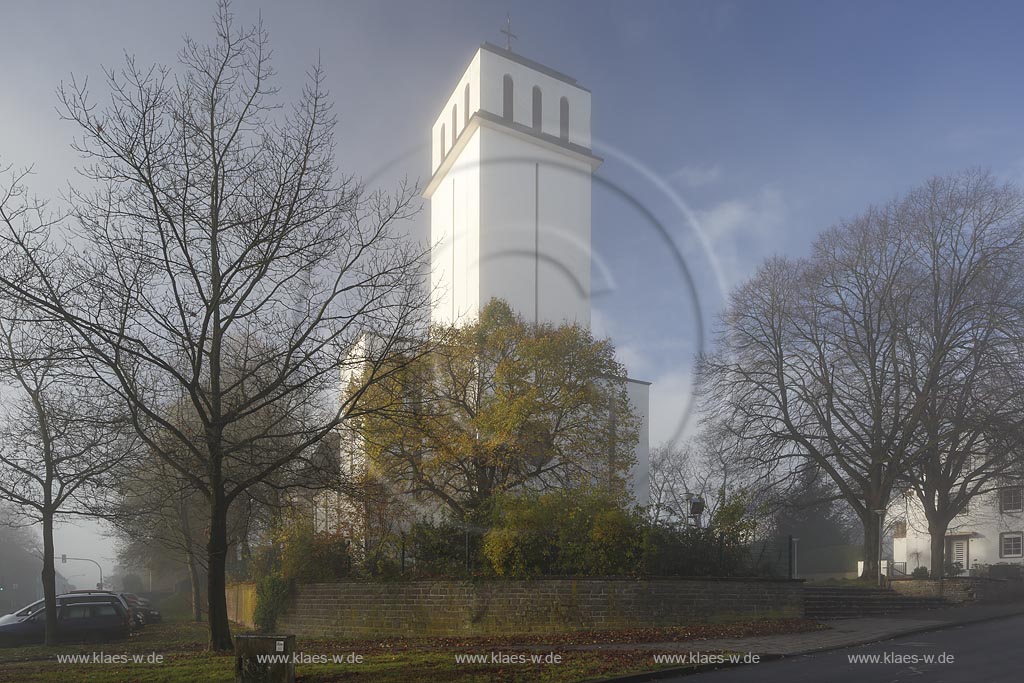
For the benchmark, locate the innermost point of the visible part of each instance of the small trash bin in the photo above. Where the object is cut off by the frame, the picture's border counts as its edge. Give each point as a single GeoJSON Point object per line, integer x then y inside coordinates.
{"type": "Point", "coordinates": [265, 659]}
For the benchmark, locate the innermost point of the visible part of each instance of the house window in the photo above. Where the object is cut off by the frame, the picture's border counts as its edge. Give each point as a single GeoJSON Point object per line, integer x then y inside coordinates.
{"type": "Point", "coordinates": [465, 107]}
{"type": "Point", "coordinates": [1011, 545]}
{"type": "Point", "coordinates": [563, 118]}
{"type": "Point", "coordinates": [506, 110]}
{"type": "Point", "coordinates": [1011, 499]}
{"type": "Point", "coordinates": [899, 529]}
{"type": "Point", "coordinates": [442, 141]}
{"type": "Point", "coordinates": [537, 108]}
{"type": "Point", "coordinates": [455, 121]}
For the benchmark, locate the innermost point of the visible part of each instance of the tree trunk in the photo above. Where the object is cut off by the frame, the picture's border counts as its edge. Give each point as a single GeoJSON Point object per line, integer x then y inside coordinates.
{"type": "Point", "coordinates": [49, 579]}
{"type": "Point", "coordinates": [190, 560]}
{"type": "Point", "coordinates": [217, 551]}
{"type": "Point", "coordinates": [937, 531]}
{"type": "Point", "coordinates": [871, 558]}
{"type": "Point", "coordinates": [197, 589]}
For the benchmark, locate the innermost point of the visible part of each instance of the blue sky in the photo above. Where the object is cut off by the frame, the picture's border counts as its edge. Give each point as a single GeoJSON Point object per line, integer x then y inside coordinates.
{"type": "Point", "coordinates": [743, 128]}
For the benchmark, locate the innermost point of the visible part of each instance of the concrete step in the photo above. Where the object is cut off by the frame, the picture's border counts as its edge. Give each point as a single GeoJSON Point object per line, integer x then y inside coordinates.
{"type": "Point", "coordinates": [834, 602]}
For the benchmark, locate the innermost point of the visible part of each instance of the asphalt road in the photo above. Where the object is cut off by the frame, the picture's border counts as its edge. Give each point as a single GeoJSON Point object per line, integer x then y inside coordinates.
{"type": "Point", "coordinates": [988, 652]}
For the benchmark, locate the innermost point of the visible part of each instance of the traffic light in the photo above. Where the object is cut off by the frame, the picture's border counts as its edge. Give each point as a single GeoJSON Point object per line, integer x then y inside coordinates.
{"type": "Point", "coordinates": [64, 559]}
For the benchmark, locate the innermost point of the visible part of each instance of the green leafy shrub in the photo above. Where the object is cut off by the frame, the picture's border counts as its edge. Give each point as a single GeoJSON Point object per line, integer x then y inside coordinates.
{"type": "Point", "coordinates": [436, 549]}
{"type": "Point", "coordinates": [919, 573]}
{"type": "Point", "coordinates": [272, 594]}
{"type": "Point", "coordinates": [564, 533]}
{"type": "Point", "coordinates": [310, 557]}
{"type": "Point", "coordinates": [522, 542]}
{"type": "Point", "coordinates": [688, 551]}
{"type": "Point", "coordinates": [612, 544]}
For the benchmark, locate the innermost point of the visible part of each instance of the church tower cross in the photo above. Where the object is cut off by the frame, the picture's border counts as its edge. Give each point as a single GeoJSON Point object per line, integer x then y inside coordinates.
{"type": "Point", "coordinates": [509, 36]}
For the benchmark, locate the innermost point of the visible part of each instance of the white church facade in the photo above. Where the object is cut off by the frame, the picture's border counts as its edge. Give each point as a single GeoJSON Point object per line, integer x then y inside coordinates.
{"type": "Point", "coordinates": [510, 218]}
{"type": "Point", "coordinates": [510, 204]}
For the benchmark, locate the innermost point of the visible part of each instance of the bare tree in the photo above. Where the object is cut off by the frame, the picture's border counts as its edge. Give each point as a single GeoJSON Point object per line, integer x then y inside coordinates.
{"type": "Point", "coordinates": [219, 228]}
{"type": "Point", "coordinates": [156, 513]}
{"type": "Point", "coordinates": [671, 479]}
{"type": "Point", "coordinates": [872, 358]}
{"type": "Point", "coordinates": [962, 342]}
{"type": "Point", "coordinates": [807, 365]}
{"type": "Point", "coordinates": [711, 466]}
{"type": "Point", "coordinates": [59, 434]}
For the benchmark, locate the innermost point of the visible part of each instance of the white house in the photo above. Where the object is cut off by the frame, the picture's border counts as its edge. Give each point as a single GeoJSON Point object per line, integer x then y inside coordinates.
{"type": "Point", "coordinates": [990, 532]}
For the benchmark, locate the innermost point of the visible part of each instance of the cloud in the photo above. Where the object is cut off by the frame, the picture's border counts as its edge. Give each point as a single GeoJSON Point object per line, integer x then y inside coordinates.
{"type": "Point", "coordinates": [743, 230]}
{"type": "Point", "coordinates": [634, 358]}
{"type": "Point", "coordinates": [696, 176]}
{"type": "Point", "coordinates": [601, 326]}
{"type": "Point", "coordinates": [671, 400]}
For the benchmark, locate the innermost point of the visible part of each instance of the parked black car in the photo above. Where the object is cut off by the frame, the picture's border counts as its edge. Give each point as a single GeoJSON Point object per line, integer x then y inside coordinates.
{"type": "Point", "coordinates": [143, 607]}
{"type": "Point", "coordinates": [135, 616]}
{"type": "Point", "coordinates": [141, 611]}
{"type": "Point", "coordinates": [96, 618]}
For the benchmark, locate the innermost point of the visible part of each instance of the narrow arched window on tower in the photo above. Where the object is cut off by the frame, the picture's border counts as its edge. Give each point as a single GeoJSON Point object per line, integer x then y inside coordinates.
{"type": "Point", "coordinates": [442, 142]}
{"type": "Point", "coordinates": [455, 122]}
{"type": "Point", "coordinates": [506, 110]}
{"type": "Point", "coordinates": [538, 109]}
{"type": "Point", "coordinates": [465, 107]}
{"type": "Point", "coordinates": [563, 119]}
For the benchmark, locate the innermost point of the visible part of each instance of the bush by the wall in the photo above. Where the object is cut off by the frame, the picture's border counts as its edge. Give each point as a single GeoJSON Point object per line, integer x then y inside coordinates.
{"type": "Point", "coordinates": [271, 599]}
{"type": "Point", "coordinates": [311, 557]}
{"type": "Point", "coordinates": [439, 549]}
{"type": "Point", "coordinates": [591, 534]}
{"type": "Point", "coordinates": [566, 533]}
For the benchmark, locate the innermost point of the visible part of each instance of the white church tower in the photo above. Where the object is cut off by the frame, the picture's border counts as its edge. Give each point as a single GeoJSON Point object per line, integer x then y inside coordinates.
{"type": "Point", "coordinates": [510, 192]}
{"type": "Point", "coordinates": [510, 202]}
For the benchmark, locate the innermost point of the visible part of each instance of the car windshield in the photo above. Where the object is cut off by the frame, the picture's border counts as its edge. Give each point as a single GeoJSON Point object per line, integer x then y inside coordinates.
{"type": "Point", "coordinates": [30, 609]}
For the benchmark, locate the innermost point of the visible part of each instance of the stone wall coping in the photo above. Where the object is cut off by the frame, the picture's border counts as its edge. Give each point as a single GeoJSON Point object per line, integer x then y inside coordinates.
{"type": "Point", "coordinates": [578, 579]}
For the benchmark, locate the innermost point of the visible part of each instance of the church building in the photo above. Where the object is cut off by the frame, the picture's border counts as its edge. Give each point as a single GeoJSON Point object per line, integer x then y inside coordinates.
{"type": "Point", "coordinates": [510, 203]}
{"type": "Point", "coordinates": [510, 216]}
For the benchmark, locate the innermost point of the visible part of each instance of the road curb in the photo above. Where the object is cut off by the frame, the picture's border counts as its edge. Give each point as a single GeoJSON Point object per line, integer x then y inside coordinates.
{"type": "Point", "coordinates": [658, 674]}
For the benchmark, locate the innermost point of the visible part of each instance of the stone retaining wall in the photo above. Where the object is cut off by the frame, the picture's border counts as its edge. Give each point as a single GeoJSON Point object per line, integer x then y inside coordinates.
{"type": "Point", "coordinates": [962, 589]}
{"type": "Point", "coordinates": [355, 609]}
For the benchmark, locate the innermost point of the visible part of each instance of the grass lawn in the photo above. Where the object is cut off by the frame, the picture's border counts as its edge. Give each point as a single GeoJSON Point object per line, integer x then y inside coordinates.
{"type": "Point", "coordinates": [396, 660]}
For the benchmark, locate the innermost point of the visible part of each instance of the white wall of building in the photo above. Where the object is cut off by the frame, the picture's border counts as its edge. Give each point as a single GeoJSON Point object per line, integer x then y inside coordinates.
{"type": "Point", "coordinates": [485, 78]}
{"type": "Point", "coordinates": [981, 527]}
{"type": "Point", "coordinates": [535, 229]}
{"type": "Point", "coordinates": [640, 475]}
{"type": "Point", "coordinates": [510, 205]}
{"type": "Point", "coordinates": [455, 237]}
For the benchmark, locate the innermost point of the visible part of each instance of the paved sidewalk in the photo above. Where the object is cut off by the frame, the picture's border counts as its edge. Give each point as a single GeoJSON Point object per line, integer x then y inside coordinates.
{"type": "Point", "coordinates": [843, 632]}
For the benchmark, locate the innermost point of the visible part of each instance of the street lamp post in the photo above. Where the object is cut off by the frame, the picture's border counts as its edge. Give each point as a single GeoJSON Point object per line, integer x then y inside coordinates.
{"type": "Point", "coordinates": [64, 559]}
{"type": "Point", "coordinates": [880, 514]}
